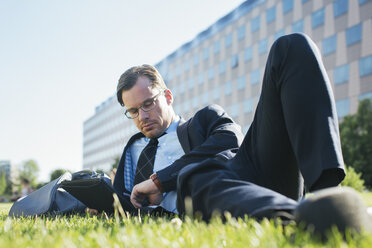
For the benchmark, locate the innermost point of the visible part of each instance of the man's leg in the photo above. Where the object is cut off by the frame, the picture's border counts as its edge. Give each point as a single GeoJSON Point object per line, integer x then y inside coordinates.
{"type": "Point", "coordinates": [212, 186]}
{"type": "Point", "coordinates": [295, 128]}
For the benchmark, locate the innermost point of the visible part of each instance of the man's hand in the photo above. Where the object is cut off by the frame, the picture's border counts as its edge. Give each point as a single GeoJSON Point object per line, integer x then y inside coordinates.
{"type": "Point", "coordinates": [146, 189]}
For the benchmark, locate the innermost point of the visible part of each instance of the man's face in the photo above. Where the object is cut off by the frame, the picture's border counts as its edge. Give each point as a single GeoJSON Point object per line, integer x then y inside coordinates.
{"type": "Point", "coordinates": [154, 122]}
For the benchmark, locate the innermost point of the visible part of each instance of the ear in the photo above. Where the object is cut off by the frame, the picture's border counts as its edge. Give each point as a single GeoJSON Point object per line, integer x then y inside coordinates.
{"type": "Point", "coordinates": [168, 96]}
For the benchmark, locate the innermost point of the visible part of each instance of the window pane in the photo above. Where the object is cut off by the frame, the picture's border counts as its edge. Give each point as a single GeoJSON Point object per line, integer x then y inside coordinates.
{"type": "Point", "coordinates": [216, 47]}
{"type": "Point", "coordinates": [255, 24]}
{"type": "Point", "coordinates": [191, 83]}
{"type": "Point", "coordinates": [317, 18]}
{"type": "Point", "coordinates": [343, 107]}
{"type": "Point", "coordinates": [240, 83]}
{"type": "Point", "coordinates": [222, 67]}
{"type": "Point", "coordinates": [216, 93]}
{"type": "Point", "coordinates": [255, 76]}
{"type": "Point", "coordinates": [353, 34]}
{"type": "Point", "coordinates": [287, 6]}
{"type": "Point", "coordinates": [363, 1]}
{"type": "Point", "coordinates": [341, 74]}
{"type": "Point", "coordinates": [262, 46]}
{"type": "Point", "coordinates": [228, 40]}
{"type": "Point", "coordinates": [329, 45]}
{"type": "Point", "coordinates": [211, 73]}
{"type": "Point", "coordinates": [234, 61]}
{"type": "Point", "coordinates": [248, 53]}
{"type": "Point", "coordinates": [234, 110]}
{"type": "Point", "coordinates": [271, 15]}
{"type": "Point", "coordinates": [228, 88]}
{"type": "Point", "coordinates": [201, 78]}
{"type": "Point", "coordinates": [182, 88]}
{"type": "Point", "coordinates": [241, 32]}
{"type": "Point", "coordinates": [196, 59]}
{"type": "Point", "coordinates": [279, 34]}
{"type": "Point", "coordinates": [205, 99]}
{"type": "Point", "coordinates": [195, 102]}
{"type": "Point", "coordinates": [186, 65]}
{"type": "Point", "coordinates": [365, 96]}
{"type": "Point", "coordinates": [365, 66]}
{"type": "Point", "coordinates": [248, 105]}
{"type": "Point", "coordinates": [206, 53]}
{"type": "Point", "coordinates": [340, 7]}
{"type": "Point", "coordinates": [298, 27]}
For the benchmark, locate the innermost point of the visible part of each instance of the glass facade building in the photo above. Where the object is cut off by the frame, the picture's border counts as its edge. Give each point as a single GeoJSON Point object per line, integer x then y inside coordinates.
{"type": "Point", "coordinates": [224, 64]}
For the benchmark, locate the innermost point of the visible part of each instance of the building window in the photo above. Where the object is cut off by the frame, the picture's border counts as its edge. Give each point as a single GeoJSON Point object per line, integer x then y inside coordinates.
{"type": "Point", "coordinates": [343, 107]}
{"type": "Point", "coordinates": [201, 78]}
{"type": "Point", "coordinates": [205, 97]}
{"type": "Point", "coordinates": [329, 45]}
{"type": "Point", "coordinates": [298, 27]}
{"type": "Point", "coordinates": [211, 73]}
{"type": "Point", "coordinates": [340, 7]}
{"type": "Point", "coordinates": [241, 32]}
{"type": "Point", "coordinates": [366, 96]}
{"type": "Point", "coordinates": [178, 70]}
{"type": "Point", "coordinates": [240, 83]}
{"type": "Point", "coordinates": [317, 18]}
{"type": "Point", "coordinates": [222, 67]}
{"type": "Point", "coordinates": [287, 6]}
{"type": "Point", "coordinates": [186, 106]}
{"type": "Point", "coordinates": [228, 88]}
{"type": "Point", "coordinates": [216, 47]}
{"type": "Point", "coordinates": [206, 53]}
{"type": "Point", "coordinates": [255, 24]}
{"type": "Point", "coordinates": [353, 34]}
{"type": "Point", "coordinates": [341, 74]}
{"type": "Point", "coordinates": [191, 83]}
{"type": "Point", "coordinates": [195, 102]}
{"type": "Point", "coordinates": [216, 93]}
{"type": "Point", "coordinates": [175, 91]}
{"type": "Point", "coordinates": [186, 65]}
{"type": "Point", "coordinates": [363, 1]}
{"type": "Point", "coordinates": [234, 61]}
{"type": "Point", "coordinates": [262, 46]}
{"type": "Point", "coordinates": [365, 66]}
{"type": "Point", "coordinates": [228, 40]}
{"type": "Point", "coordinates": [271, 15]}
{"type": "Point", "coordinates": [304, 1]}
{"type": "Point", "coordinates": [255, 76]}
{"type": "Point", "coordinates": [278, 34]}
{"type": "Point", "coordinates": [248, 105]}
{"type": "Point", "coordinates": [248, 54]}
{"type": "Point", "coordinates": [182, 88]}
{"type": "Point", "coordinates": [196, 59]}
{"type": "Point", "coordinates": [234, 110]}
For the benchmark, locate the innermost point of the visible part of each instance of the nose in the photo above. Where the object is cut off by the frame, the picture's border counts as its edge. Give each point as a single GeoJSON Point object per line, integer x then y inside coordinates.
{"type": "Point", "coordinates": [142, 115]}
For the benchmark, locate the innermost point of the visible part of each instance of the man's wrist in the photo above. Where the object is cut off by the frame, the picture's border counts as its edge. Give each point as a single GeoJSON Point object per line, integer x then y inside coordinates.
{"type": "Point", "coordinates": [157, 182]}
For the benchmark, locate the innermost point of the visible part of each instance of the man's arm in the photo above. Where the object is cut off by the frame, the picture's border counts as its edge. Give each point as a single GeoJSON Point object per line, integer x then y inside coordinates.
{"type": "Point", "coordinates": [211, 131]}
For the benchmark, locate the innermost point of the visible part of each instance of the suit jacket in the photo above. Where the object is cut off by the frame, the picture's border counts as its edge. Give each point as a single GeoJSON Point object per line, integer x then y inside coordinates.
{"type": "Point", "coordinates": [210, 132]}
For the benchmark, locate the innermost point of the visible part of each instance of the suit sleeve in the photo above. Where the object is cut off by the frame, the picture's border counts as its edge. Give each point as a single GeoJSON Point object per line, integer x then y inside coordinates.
{"type": "Point", "coordinates": [211, 131]}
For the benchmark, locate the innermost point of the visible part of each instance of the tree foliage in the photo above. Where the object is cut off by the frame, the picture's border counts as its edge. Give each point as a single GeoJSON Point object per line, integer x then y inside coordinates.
{"type": "Point", "coordinates": [57, 173]}
{"type": "Point", "coordinates": [356, 140]}
{"type": "Point", "coordinates": [3, 183]}
{"type": "Point", "coordinates": [29, 170]}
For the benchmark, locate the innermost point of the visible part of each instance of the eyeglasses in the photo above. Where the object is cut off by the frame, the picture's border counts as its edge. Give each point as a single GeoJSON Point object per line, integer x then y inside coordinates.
{"type": "Point", "coordinates": [147, 106]}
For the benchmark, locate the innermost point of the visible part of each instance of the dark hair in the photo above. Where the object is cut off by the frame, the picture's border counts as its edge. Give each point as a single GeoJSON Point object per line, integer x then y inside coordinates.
{"type": "Point", "coordinates": [129, 78]}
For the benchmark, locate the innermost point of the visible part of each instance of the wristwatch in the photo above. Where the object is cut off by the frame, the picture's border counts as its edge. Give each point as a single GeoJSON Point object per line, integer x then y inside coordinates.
{"type": "Point", "coordinates": [155, 179]}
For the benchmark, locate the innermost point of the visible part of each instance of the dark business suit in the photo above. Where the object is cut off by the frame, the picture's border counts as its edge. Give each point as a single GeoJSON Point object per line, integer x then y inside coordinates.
{"type": "Point", "coordinates": [208, 133]}
{"type": "Point", "coordinates": [293, 139]}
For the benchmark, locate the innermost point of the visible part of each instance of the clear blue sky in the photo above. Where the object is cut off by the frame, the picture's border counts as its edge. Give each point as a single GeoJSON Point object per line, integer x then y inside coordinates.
{"type": "Point", "coordinates": [60, 59]}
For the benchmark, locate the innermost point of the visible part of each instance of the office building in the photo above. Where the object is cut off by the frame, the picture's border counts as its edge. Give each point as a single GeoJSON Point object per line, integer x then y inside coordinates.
{"type": "Point", "coordinates": [224, 64]}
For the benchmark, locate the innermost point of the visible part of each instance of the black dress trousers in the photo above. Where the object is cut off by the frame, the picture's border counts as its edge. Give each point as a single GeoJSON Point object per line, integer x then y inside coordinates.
{"type": "Point", "coordinates": [292, 141]}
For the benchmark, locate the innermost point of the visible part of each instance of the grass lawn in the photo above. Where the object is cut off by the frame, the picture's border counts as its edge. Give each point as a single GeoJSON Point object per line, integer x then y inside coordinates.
{"type": "Point", "coordinates": [93, 231]}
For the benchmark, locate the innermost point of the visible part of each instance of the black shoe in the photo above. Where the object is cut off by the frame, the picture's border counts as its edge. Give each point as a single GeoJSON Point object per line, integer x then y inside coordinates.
{"type": "Point", "coordinates": [337, 206]}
